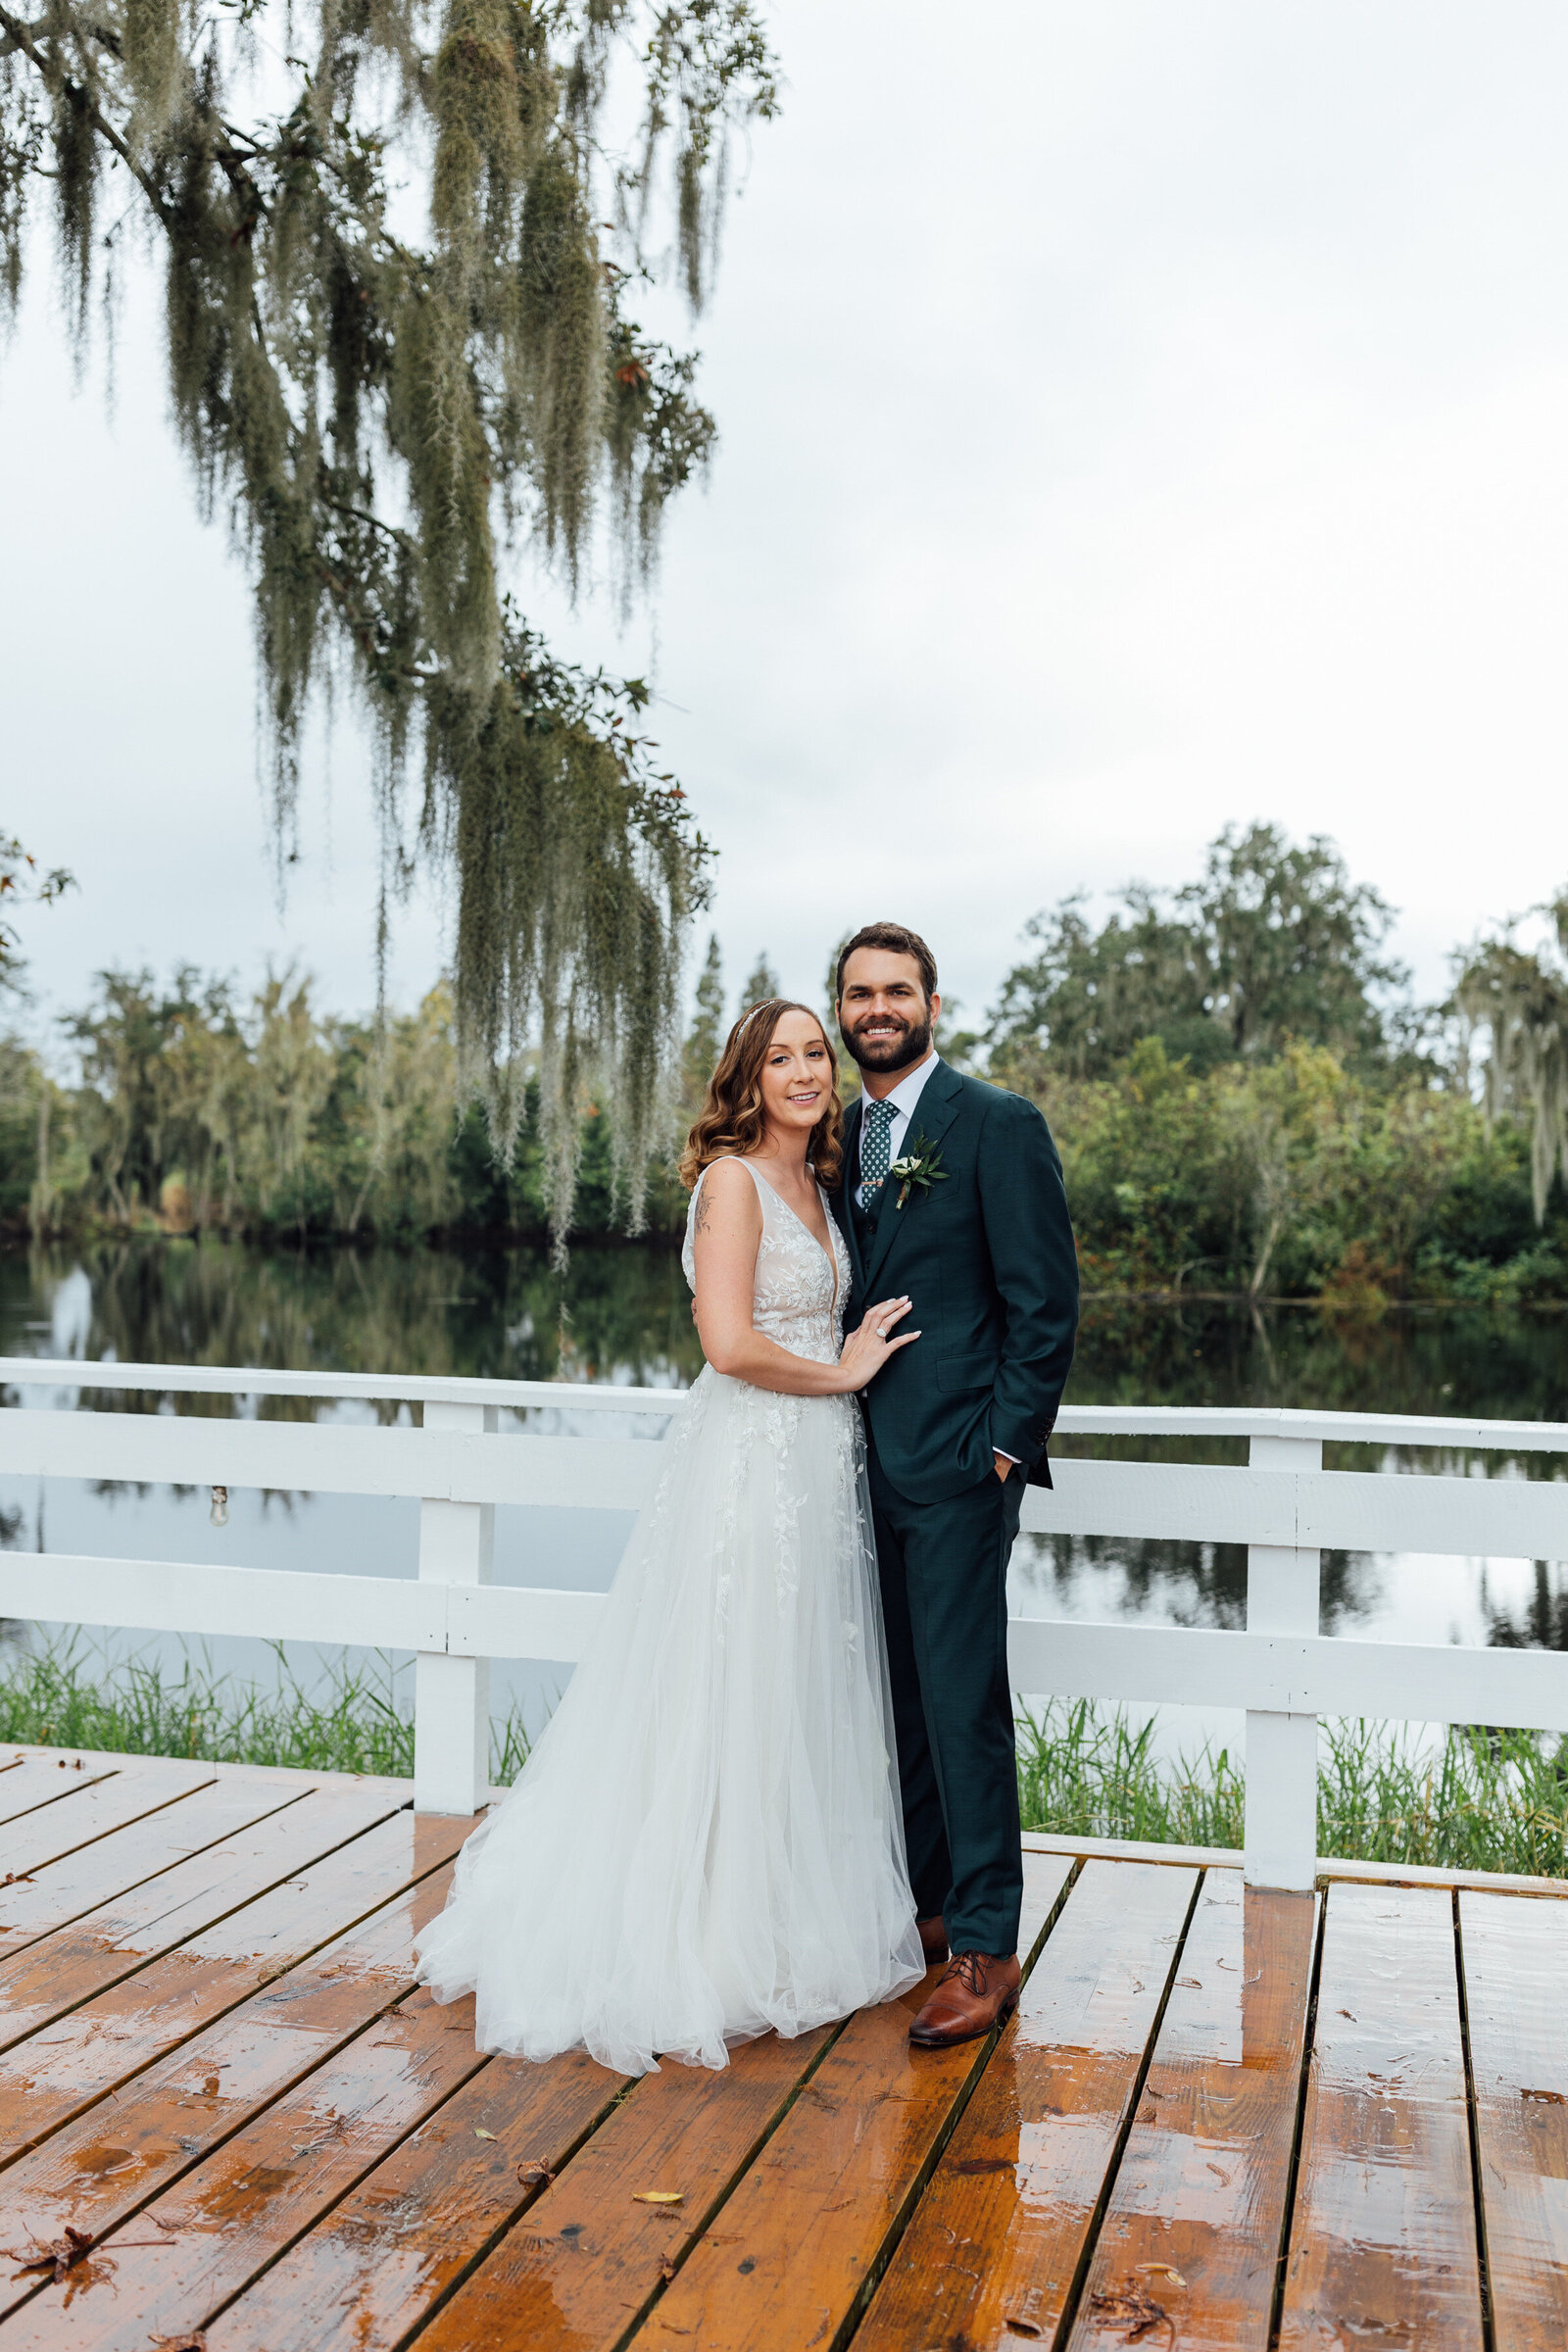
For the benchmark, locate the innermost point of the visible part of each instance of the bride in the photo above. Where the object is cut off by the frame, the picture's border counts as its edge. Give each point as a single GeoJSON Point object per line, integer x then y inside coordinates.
{"type": "Point", "coordinates": [706, 1841]}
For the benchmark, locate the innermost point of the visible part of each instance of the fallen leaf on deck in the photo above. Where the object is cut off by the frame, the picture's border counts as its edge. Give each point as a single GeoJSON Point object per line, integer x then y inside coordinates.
{"type": "Point", "coordinates": [1161, 2269]}
{"type": "Point", "coordinates": [1132, 2310]}
{"type": "Point", "coordinates": [657, 2196]}
{"type": "Point", "coordinates": [1019, 2326]}
{"type": "Point", "coordinates": [1192, 1983]}
{"type": "Point", "coordinates": [1552, 2099]}
{"type": "Point", "coordinates": [479, 2132]}
{"type": "Point", "coordinates": [57, 2254]}
{"type": "Point", "coordinates": [536, 2174]}
{"type": "Point", "coordinates": [666, 2270]}
{"type": "Point", "coordinates": [194, 2341]}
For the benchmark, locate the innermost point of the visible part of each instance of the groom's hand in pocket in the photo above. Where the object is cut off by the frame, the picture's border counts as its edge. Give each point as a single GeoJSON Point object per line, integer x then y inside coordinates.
{"type": "Point", "coordinates": [1004, 1463]}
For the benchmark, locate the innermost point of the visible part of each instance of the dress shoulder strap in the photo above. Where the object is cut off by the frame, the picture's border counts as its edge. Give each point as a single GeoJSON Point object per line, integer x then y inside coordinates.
{"type": "Point", "coordinates": [767, 1201]}
{"type": "Point", "coordinates": [765, 1190]}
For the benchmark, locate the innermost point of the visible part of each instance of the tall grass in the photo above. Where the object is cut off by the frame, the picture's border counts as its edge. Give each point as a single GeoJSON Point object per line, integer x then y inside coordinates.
{"type": "Point", "coordinates": [355, 1720]}
{"type": "Point", "coordinates": [1480, 1800]}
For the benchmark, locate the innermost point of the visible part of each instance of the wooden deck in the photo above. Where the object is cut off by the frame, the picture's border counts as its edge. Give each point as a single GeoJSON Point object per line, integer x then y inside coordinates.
{"type": "Point", "coordinates": [1222, 2117]}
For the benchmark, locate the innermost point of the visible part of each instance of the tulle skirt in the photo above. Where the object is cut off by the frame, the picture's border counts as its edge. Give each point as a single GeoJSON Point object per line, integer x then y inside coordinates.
{"type": "Point", "coordinates": [706, 1841]}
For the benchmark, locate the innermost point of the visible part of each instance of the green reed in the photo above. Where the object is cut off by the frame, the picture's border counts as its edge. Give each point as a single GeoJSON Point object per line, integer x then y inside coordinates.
{"type": "Point", "coordinates": [1480, 1799]}
{"type": "Point", "coordinates": [357, 1719]}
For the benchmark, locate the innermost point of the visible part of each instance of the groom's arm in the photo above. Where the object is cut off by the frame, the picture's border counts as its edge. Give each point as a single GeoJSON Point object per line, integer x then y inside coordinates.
{"type": "Point", "coordinates": [1023, 1207]}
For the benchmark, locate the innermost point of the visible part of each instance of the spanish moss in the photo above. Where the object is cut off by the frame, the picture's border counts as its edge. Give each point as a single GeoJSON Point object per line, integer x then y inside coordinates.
{"type": "Point", "coordinates": [384, 422]}
{"type": "Point", "coordinates": [1521, 997]}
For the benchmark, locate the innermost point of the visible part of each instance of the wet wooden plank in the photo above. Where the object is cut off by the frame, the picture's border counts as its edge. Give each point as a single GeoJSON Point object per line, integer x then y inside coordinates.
{"type": "Point", "coordinates": [176, 2262]}
{"type": "Point", "coordinates": [129, 1931]}
{"type": "Point", "coordinates": [146, 1787]}
{"type": "Point", "coordinates": [575, 2273]}
{"type": "Point", "coordinates": [1196, 2219]}
{"type": "Point", "coordinates": [797, 2244]}
{"type": "Point", "coordinates": [99, 2170]}
{"type": "Point", "coordinates": [366, 2273]}
{"type": "Point", "coordinates": [1004, 2223]}
{"type": "Point", "coordinates": [81, 2057]}
{"type": "Point", "coordinates": [62, 1891]}
{"type": "Point", "coordinates": [1383, 2238]}
{"type": "Point", "coordinates": [36, 1777]}
{"type": "Point", "coordinates": [1514, 1955]}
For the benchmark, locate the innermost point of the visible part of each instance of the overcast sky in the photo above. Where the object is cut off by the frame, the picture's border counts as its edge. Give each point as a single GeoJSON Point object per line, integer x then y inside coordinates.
{"type": "Point", "coordinates": [1134, 418]}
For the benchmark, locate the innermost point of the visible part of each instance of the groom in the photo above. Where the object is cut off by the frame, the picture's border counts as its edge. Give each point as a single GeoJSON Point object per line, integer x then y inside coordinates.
{"type": "Point", "coordinates": [952, 1192]}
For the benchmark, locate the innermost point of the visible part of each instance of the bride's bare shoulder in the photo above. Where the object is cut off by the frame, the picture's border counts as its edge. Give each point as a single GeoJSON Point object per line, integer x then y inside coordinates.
{"type": "Point", "coordinates": [727, 1197]}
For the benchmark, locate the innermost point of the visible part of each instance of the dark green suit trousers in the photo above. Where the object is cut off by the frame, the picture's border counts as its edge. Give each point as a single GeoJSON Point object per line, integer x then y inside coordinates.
{"type": "Point", "coordinates": [984, 1251]}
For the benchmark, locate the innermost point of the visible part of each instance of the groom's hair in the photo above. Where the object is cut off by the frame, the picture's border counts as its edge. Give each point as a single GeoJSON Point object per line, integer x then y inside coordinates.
{"type": "Point", "coordinates": [897, 940]}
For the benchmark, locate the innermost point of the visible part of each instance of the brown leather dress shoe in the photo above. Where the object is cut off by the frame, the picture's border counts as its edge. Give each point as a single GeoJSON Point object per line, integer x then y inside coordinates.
{"type": "Point", "coordinates": [933, 1941]}
{"type": "Point", "coordinates": [976, 1992]}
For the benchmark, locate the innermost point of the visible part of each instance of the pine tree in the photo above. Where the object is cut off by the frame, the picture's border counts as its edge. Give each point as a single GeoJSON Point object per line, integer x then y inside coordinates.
{"type": "Point", "coordinates": [382, 419]}
{"type": "Point", "coordinates": [706, 1032]}
{"type": "Point", "coordinates": [762, 984]}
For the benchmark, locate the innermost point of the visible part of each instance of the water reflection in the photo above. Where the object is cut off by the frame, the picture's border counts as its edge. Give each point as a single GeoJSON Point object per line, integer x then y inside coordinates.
{"type": "Point", "coordinates": [617, 1314]}
{"type": "Point", "coordinates": [623, 1314]}
{"type": "Point", "coordinates": [1166, 1583]}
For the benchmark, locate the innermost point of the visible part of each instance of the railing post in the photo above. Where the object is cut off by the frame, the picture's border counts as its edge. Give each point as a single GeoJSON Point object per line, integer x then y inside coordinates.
{"type": "Point", "coordinates": [1282, 1597]}
{"type": "Point", "coordinates": [452, 1696]}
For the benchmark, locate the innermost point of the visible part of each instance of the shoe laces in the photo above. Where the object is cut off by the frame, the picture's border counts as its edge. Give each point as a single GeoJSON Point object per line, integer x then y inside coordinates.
{"type": "Point", "coordinates": [970, 1969]}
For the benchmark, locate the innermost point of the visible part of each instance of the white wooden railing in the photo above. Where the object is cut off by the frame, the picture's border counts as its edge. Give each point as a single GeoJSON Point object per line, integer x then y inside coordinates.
{"type": "Point", "coordinates": [1284, 1507]}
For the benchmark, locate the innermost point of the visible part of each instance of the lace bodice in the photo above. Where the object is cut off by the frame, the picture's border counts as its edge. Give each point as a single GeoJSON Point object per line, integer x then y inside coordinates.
{"type": "Point", "coordinates": [797, 1297]}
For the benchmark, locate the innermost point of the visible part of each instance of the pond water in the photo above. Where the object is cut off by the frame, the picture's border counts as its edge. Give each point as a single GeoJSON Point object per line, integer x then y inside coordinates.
{"type": "Point", "coordinates": [623, 1314]}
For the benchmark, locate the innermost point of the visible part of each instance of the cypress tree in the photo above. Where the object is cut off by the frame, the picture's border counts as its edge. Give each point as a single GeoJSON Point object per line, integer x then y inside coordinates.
{"type": "Point", "coordinates": [762, 984]}
{"type": "Point", "coordinates": [706, 1032]}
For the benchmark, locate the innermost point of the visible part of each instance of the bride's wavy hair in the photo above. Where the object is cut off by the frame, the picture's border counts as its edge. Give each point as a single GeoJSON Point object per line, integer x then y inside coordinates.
{"type": "Point", "coordinates": [732, 1120]}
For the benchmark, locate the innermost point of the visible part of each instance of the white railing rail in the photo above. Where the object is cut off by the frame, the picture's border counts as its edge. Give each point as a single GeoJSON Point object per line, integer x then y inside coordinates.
{"type": "Point", "coordinates": [1283, 1505]}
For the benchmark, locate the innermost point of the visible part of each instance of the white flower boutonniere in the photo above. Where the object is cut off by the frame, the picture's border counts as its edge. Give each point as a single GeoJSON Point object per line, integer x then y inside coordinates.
{"type": "Point", "coordinates": [920, 1166]}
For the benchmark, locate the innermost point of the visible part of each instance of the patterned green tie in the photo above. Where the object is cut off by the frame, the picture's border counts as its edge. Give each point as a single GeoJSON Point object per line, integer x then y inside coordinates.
{"type": "Point", "coordinates": [875, 1155]}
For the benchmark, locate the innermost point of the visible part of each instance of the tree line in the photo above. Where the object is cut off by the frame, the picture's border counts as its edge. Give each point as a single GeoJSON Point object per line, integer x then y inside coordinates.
{"type": "Point", "coordinates": [1247, 1095]}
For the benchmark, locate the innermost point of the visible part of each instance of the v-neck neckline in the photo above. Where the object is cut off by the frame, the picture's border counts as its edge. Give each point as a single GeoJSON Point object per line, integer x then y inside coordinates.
{"type": "Point", "coordinates": [790, 1210]}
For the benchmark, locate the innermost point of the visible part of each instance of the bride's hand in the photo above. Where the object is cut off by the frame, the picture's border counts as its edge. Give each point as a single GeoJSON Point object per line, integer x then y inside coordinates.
{"type": "Point", "coordinates": [868, 1349]}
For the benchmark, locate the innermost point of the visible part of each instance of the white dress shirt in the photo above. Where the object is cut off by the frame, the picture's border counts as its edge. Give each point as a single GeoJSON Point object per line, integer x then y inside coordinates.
{"type": "Point", "coordinates": [904, 1097]}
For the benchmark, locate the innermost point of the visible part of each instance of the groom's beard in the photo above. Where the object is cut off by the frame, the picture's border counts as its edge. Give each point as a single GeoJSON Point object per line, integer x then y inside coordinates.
{"type": "Point", "coordinates": [910, 1044]}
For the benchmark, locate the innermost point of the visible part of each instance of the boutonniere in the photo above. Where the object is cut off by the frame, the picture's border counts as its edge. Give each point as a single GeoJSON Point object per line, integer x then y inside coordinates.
{"type": "Point", "coordinates": [920, 1166]}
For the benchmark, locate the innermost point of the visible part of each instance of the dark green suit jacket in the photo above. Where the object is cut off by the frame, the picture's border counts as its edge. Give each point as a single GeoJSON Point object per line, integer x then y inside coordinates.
{"type": "Point", "coordinates": [988, 1259]}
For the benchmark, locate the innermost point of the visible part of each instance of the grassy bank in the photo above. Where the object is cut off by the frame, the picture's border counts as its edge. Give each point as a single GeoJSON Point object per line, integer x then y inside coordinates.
{"type": "Point", "coordinates": [1482, 1801]}
{"type": "Point", "coordinates": [69, 1697]}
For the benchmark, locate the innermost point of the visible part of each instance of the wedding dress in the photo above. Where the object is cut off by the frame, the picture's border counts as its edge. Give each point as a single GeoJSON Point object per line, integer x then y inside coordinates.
{"type": "Point", "coordinates": [706, 1841]}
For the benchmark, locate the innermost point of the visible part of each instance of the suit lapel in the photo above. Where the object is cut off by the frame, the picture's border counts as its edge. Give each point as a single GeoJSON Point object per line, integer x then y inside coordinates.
{"type": "Point", "coordinates": [844, 1197]}
{"type": "Point", "coordinates": [934, 1114]}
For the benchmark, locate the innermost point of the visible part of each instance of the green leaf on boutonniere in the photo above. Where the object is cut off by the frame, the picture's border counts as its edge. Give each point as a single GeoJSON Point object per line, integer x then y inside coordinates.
{"type": "Point", "coordinates": [920, 1165]}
